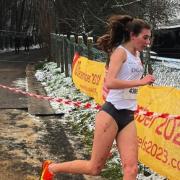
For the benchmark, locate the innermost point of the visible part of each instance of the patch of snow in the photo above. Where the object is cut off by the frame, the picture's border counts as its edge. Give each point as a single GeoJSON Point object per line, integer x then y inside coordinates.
{"type": "Point", "coordinates": [20, 83]}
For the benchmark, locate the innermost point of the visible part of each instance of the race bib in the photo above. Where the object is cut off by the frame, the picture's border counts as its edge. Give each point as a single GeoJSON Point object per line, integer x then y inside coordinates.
{"type": "Point", "coordinates": [130, 93]}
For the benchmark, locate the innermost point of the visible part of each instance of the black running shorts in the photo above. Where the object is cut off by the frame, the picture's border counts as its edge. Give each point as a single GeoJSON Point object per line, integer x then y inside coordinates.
{"type": "Point", "coordinates": [122, 117]}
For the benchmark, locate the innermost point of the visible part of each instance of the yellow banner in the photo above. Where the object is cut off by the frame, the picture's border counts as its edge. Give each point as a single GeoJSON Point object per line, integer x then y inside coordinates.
{"type": "Point", "coordinates": [88, 76]}
{"type": "Point", "coordinates": [159, 138]}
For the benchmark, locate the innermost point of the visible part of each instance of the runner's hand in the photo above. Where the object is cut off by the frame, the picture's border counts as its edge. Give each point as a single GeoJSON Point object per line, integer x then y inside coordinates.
{"type": "Point", "coordinates": [148, 79]}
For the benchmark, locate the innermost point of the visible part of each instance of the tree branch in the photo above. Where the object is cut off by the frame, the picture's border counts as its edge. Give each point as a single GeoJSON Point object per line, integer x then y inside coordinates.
{"type": "Point", "coordinates": [123, 5]}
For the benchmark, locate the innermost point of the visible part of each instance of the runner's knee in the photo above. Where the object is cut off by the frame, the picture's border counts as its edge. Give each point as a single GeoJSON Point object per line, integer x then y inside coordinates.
{"type": "Point", "coordinates": [130, 169]}
{"type": "Point", "coordinates": [95, 169]}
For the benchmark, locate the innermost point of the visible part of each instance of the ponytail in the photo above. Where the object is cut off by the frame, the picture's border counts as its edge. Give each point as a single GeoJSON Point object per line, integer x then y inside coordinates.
{"type": "Point", "coordinates": [103, 42]}
{"type": "Point", "coordinates": [118, 31]}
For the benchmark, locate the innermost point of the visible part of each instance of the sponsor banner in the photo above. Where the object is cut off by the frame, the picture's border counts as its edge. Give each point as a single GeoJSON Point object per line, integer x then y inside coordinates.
{"type": "Point", "coordinates": [88, 76]}
{"type": "Point", "coordinates": [158, 128]}
{"type": "Point", "coordinates": [159, 138]}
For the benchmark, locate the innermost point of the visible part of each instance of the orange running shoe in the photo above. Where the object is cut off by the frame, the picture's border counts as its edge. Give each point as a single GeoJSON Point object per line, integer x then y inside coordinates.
{"type": "Point", "coordinates": [45, 174]}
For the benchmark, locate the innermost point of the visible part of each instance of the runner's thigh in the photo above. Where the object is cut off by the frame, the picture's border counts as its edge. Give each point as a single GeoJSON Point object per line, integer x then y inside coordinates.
{"type": "Point", "coordinates": [127, 144]}
{"type": "Point", "coordinates": [104, 135]}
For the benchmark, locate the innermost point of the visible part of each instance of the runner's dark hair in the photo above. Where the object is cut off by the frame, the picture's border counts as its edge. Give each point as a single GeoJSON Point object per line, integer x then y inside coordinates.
{"type": "Point", "coordinates": [118, 31]}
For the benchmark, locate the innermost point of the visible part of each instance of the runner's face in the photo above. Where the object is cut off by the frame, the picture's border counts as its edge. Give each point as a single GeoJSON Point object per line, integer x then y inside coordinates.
{"type": "Point", "coordinates": [142, 40]}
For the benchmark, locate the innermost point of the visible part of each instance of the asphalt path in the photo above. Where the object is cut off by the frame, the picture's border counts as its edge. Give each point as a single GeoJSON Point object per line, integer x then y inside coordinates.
{"type": "Point", "coordinates": [13, 74]}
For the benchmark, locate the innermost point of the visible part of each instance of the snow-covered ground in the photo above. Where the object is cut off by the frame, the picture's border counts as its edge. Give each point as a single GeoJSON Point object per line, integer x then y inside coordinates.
{"type": "Point", "coordinates": [22, 48]}
{"type": "Point", "coordinates": [167, 74]}
{"type": "Point", "coordinates": [57, 85]}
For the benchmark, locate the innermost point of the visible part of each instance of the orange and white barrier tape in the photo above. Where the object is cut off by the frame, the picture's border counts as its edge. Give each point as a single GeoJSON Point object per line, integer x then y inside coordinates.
{"type": "Point", "coordinates": [139, 111]}
{"type": "Point", "coordinates": [59, 100]}
{"type": "Point", "coordinates": [145, 112]}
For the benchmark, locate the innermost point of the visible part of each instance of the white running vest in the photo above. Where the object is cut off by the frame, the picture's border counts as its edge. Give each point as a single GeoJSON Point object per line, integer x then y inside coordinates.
{"type": "Point", "coordinates": [131, 69]}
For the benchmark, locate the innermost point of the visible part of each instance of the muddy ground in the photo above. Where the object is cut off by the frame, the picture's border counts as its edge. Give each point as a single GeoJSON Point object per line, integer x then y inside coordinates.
{"type": "Point", "coordinates": [25, 139]}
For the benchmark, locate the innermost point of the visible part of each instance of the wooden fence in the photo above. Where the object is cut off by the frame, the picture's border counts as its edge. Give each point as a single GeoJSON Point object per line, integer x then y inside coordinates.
{"type": "Point", "coordinates": [64, 47]}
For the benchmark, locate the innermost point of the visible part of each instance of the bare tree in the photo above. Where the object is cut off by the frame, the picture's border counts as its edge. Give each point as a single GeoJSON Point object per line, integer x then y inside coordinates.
{"type": "Point", "coordinates": [88, 16]}
{"type": "Point", "coordinates": [79, 17]}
